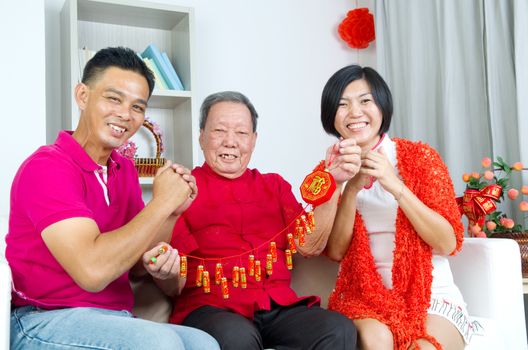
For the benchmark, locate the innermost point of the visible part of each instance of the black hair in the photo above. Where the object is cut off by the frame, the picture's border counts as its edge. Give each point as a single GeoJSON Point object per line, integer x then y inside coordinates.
{"type": "Point", "coordinates": [226, 96]}
{"type": "Point", "coordinates": [337, 84]}
{"type": "Point", "coordinates": [120, 57]}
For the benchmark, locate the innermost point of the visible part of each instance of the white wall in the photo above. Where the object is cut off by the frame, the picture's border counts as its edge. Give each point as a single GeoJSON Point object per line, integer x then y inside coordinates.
{"type": "Point", "coordinates": [280, 54]}
{"type": "Point", "coordinates": [22, 88]}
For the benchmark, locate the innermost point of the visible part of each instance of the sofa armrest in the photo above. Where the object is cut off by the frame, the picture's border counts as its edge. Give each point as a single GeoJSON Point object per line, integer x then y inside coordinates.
{"type": "Point", "coordinates": [488, 273]}
{"type": "Point", "coordinates": [5, 303]}
{"type": "Point", "coordinates": [5, 289]}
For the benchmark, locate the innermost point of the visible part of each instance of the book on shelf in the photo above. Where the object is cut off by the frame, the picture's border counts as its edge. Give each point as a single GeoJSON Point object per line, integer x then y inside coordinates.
{"type": "Point", "coordinates": [159, 81]}
{"type": "Point", "coordinates": [155, 55]}
{"type": "Point", "coordinates": [172, 71]}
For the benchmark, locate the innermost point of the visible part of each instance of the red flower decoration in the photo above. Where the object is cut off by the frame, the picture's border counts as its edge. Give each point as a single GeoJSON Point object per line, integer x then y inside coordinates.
{"type": "Point", "coordinates": [357, 29]}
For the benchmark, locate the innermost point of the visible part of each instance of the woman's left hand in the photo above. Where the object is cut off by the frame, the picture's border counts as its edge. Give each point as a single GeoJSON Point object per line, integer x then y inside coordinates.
{"type": "Point", "coordinates": [377, 165]}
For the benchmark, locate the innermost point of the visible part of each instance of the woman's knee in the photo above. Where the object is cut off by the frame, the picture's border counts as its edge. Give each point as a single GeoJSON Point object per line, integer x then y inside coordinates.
{"type": "Point", "coordinates": [376, 340]}
{"type": "Point", "coordinates": [374, 335]}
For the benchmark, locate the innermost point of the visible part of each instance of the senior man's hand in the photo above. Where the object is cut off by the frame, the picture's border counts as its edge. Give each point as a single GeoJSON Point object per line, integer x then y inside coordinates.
{"type": "Point", "coordinates": [162, 261]}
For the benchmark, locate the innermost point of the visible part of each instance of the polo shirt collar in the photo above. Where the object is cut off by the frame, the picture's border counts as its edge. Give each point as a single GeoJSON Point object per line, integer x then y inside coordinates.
{"type": "Point", "coordinates": [72, 148]}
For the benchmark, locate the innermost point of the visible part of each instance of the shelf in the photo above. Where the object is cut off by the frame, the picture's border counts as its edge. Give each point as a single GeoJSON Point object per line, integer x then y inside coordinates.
{"type": "Point", "coordinates": [168, 98]}
{"type": "Point", "coordinates": [135, 13]}
{"type": "Point", "coordinates": [146, 180]}
{"type": "Point", "coordinates": [96, 24]}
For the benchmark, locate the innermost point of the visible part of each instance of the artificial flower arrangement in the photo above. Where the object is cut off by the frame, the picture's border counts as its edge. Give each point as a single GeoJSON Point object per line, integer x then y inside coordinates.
{"type": "Point", "coordinates": [146, 167]}
{"type": "Point", "coordinates": [128, 150]}
{"type": "Point", "coordinates": [484, 191]}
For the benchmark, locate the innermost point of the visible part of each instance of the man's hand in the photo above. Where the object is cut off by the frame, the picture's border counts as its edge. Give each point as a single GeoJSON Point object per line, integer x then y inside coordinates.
{"type": "Point", "coordinates": [191, 181]}
{"type": "Point", "coordinates": [171, 187]}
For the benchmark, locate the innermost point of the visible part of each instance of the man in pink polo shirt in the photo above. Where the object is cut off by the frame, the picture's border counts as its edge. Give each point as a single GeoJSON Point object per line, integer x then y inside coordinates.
{"type": "Point", "coordinates": [78, 224]}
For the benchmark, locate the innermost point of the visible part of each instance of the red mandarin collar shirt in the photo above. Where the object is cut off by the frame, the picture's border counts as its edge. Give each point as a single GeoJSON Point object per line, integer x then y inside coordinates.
{"type": "Point", "coordinates": [230, 219]}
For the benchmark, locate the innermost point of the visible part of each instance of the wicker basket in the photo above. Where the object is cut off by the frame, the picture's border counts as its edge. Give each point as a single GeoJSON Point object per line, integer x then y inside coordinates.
{"type": "Point", "coordinates": [147, 167]}
{"type": "Point", "coordinates": [522, 239]}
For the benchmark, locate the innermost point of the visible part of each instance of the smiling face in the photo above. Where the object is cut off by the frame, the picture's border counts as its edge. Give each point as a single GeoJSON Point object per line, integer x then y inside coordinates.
{"type": "Point", "coordinates": [228, 140]}
{"type": "Point", "coordinates": [112, 110]}
{"type": "Point", "coordinates": [358, 116]}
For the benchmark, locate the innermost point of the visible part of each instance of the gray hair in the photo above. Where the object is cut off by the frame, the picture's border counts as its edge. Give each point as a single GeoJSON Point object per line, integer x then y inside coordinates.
{"type": "Point", "coordinates": [226, 96]}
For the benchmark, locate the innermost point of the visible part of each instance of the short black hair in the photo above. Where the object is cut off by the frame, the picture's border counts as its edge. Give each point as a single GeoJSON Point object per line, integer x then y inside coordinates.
{"type": "Point", "coordinates": [337, 84]}
{"type": "Point", "coordinates": [226, 96]}
{"type": "Point", "coordinates": [120, 57]}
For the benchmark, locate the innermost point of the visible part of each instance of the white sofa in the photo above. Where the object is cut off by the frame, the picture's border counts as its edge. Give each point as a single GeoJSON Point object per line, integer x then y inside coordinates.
{"type": "Point", "coordinates": [488, 271]}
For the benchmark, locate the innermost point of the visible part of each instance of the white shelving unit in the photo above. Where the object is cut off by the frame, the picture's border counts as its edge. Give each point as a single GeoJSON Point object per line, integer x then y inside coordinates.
{"type": "Point", "coordinates": [96, 24]}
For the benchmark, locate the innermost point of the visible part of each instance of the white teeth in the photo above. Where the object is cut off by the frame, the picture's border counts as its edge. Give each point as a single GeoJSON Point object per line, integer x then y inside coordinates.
{"type": "Point", "coordinates": [117, 128]}
{"type": "Point", "coordinates": [357, 125]}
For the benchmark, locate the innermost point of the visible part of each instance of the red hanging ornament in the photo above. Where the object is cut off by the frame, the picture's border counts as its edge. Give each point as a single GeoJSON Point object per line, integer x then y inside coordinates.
{"type": "Point", "coordinates": [243, 278]}
{"type": "Point", "coordinates": [219, 273]}
{"type": "Point", "coordinates": [251, 264]}
{"type": "Point", "coordinates": [477, 204]}
{"type": "Point", "coordinates": [305, 224]}
{"type": "Point", "coordinates": [235, 276]}
{"type": "Point", "coordinates": [357, 29]}
{"type": "Point", "coordinates": [258, 272]}
{"type": "Point", "coordinates": [206, 282]}
{"type": "Point", "coordinates": [318, 186]}
{"type": "Point", "coordinates": [291, 243]}
{"type": "Point", "coordinates": [269, 264]}
{"type": "Point", "coordinates": [311, 219]}
{"type": "Point", "coordinates": [297, 230]}
{"type": "Point", "coordinates": [225, 288]}
{"type": "Point", "coordinates": [301, 238]}
{"type": "Point", "coordinates": [273, 250]}
{"type": "Point", "coordinates": [289, 259]}
{"type": "Point", "coordinates": [183, 267]}
{"type": "Point", "coordinates": [199, 275]}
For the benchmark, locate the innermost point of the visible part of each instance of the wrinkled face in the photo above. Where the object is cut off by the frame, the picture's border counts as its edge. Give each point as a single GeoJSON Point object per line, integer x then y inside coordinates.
{"type": "Point", "coordinates": [358, 116]}
{"type": "Point", "coordinates": [113, 107]}
{"type": "Point", "coordinates": [228, 140]}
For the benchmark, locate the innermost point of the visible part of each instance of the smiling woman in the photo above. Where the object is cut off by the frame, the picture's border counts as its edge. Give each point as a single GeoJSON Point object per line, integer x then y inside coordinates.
{"type": "Point", "coordinates": [397, 219]}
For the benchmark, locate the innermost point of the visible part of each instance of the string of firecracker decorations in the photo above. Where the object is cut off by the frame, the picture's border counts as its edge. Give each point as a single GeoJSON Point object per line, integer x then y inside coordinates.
{"type": "Point", "coordinates": [317, 188]}
{"type": "Point", "coordinates": [304, 224]}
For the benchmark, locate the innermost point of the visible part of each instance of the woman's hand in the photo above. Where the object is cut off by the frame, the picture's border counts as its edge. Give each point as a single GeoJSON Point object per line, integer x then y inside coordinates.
{"type": "Point", "coordinates": [343, 160]}
{"type": "Point", "coordinates": [162, 262]}
{"type": "Point", "coordinates": [376, 164]}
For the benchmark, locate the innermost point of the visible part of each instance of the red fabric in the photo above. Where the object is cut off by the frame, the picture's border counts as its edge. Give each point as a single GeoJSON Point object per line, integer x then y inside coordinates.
{"type": "Point", "coordinates": [230, 217]}
{"type": "Point", "coordinates": [360, 292]}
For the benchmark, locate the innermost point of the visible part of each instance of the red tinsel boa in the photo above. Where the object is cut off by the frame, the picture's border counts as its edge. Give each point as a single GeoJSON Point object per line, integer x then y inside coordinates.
{"type": "Point", "coordinates": [360, 292]}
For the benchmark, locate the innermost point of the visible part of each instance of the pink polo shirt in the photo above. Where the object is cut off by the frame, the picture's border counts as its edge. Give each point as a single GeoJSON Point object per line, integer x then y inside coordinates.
{"type": "Point", "coordinates": [55, 183]}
